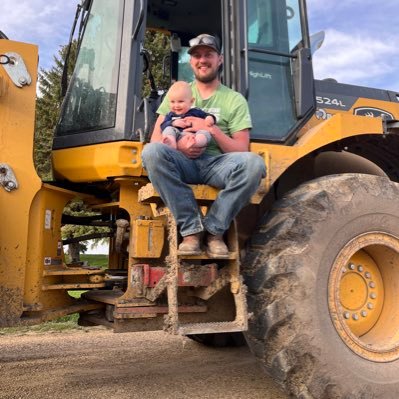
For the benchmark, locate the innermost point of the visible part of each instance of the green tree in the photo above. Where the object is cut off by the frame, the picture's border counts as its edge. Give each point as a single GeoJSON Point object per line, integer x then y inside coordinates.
{"type": "Point", "coordinates": [48, 106]}
{"type": "Point", "coordinates": [157, 45]}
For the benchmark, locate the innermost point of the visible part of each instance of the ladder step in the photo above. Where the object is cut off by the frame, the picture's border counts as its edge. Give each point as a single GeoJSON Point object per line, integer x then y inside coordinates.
{"type": "Point", "coordinates": [201, 192]}
{"type": "Point", "coordinates": [208, 328]}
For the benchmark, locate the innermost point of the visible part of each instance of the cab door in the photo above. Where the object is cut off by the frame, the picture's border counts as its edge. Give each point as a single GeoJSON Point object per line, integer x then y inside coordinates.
{"type": "Point", "coordinates": [100, 100]}
{"type": "Point", "coordinates": [279, 76]}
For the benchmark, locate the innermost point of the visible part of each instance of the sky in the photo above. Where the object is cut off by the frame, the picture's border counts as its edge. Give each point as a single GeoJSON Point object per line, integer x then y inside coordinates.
{"type": "Point", "coordinates": [361, 45]}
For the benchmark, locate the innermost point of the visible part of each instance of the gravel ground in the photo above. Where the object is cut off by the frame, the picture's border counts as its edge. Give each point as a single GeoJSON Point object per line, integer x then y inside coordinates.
{"type": "Point", "coordinates": [100, 364]}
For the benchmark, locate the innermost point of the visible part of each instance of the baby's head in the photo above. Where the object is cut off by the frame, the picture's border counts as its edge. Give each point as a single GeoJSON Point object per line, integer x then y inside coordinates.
{"type": "Point", "coordinates": [180, 97]}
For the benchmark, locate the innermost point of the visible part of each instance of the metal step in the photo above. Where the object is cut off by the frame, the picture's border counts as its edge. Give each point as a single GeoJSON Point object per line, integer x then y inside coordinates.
{"type": "Point", "coordinates": [231, 276]}
{"type": "Point", "coordinates": [202, 193]}
{"type": "Point", "coordinates": [211, 328]}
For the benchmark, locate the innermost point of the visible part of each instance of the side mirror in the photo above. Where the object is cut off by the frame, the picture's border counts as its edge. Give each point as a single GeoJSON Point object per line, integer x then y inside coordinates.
{"type": "Point", "coordinates": [316, 41]}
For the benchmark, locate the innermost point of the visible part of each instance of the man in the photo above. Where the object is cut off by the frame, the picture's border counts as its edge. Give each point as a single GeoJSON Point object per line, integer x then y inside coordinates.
{"type": "Point", "coordinates": [226, 163]}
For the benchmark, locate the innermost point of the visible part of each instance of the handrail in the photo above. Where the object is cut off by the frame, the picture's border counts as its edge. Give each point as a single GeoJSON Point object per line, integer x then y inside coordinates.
{"type": "Point", "coordinates": [272, 52]}
{"type": "Point", "coordinates": [244, 52]}
{"type": "Point", "coordinates": [304, 24]}
{"type": "Point", "coordinates": [140, 21]}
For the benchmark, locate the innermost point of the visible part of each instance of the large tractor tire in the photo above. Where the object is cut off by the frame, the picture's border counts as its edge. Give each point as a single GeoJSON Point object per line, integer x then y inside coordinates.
{"type": "Point", "coordinates": [323, 285]}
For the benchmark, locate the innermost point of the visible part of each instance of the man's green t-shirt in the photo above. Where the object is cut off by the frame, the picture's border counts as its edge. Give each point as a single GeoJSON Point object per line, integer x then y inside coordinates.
{"type": "Point", "coordinates": [229, 107]}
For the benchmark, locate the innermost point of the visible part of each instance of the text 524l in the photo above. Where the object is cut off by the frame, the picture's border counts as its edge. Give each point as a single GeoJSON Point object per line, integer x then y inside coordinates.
{"type": "Point", "coordinates": [329, 101]}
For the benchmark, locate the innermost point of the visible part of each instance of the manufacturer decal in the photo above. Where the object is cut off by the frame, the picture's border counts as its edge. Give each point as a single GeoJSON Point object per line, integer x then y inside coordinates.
{"type": "Point", "coordinates": [373, 113]}
{"type": "Point", "coordinates": [322, 114]}
{"type": "Point", "coordinates": [336, 102]}
{"type": "Point", "coordinates": [260, 75]}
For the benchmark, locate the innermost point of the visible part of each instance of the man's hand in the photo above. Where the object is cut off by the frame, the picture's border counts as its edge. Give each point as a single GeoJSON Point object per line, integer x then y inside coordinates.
{"type": "Point", "coordinates": [209, 121]}
{"type": "Point", "coordinates": [187, 146]}
{"type": "Point", "coordinates": [181, 123]}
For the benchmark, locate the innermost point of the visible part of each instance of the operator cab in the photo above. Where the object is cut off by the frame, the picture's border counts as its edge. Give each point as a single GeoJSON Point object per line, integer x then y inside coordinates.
{"type": "Point", "coordinates": [266, 57]}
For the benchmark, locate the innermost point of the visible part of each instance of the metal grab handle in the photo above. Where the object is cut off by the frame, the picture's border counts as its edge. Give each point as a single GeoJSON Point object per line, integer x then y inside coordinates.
{"type": "Point", "coordinates": [245, 54]}
{"type": "Point", "coordinates": [140, 21]}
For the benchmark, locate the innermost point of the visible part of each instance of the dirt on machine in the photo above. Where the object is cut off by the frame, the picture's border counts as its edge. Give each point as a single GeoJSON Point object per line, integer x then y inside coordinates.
{"type": "Point", "coordinates": [310, 282]}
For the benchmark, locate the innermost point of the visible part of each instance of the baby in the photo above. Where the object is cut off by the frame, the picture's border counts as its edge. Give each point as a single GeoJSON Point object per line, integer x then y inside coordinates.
{"type": "Point", "coordinates": [180, 102]}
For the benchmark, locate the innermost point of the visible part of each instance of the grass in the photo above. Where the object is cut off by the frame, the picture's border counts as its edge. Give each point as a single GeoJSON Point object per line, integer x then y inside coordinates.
{"type": "Point", "coordinates": [95, 260]}
{"type": "Point", "coordinates": [63, 323]}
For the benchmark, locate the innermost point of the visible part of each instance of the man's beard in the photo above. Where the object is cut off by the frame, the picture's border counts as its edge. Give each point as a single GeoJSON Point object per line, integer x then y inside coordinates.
{"type": "Point", "coordinates": [208, 78]}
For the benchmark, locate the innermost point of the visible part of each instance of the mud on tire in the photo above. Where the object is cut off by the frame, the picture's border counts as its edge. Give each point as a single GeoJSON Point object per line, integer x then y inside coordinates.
{"type": "Point", "coordinates": [299, 331]}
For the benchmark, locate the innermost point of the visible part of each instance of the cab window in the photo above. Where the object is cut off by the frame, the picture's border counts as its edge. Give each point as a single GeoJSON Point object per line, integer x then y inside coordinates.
{"type": "Point", "coordinates": [90, 103]}
{"type": "Point", "coordinates": [274, 31]}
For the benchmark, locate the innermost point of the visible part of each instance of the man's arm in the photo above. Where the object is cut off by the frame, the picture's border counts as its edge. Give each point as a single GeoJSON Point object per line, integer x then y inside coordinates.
{"type": "Point", "coordinates": [168, 121]}
{"type": "Point", "coordinates": [238, 142]}
{"type": "Point", "coordinates": [157, 132]}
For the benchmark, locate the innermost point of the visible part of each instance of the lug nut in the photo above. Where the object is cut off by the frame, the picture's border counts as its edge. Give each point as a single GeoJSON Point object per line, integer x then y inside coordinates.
{"type": "Point", "coordinates": [360, 268]}
{"type": "Point", "coordinates": [372, 284]}
{"type": "Point", "coordinates": [364, 313]}
{"type": "Point", "coordinates": [373, 295]}
{"type": "Point", "coordinates": [355, 316]}
{"type": "Point", "coordinates": [368, 275]}
{"type": "Point", "coordinates": [347, 315]}
{"type": "Point", "coordinates": [351, 266]}
{"type": "Point", "coordinates": [370, 306]}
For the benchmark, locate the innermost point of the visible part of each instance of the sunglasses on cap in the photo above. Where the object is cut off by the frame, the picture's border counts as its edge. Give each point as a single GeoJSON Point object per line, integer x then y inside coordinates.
{"type": "Point", "coordinates": [204, 40]}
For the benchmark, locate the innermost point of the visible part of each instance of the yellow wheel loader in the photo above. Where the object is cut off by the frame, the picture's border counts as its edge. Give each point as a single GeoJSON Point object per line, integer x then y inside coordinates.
{"type": "Point", "coordinates": [312, 276]}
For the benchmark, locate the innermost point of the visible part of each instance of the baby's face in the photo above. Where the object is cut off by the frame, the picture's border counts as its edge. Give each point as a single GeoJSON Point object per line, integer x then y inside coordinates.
{"type": "Point", "coordinates": [179, 104]}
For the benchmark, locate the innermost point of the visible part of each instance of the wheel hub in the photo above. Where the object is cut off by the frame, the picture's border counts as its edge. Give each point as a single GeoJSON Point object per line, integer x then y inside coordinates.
{"type": "Point", "coordinates": [363, 294]}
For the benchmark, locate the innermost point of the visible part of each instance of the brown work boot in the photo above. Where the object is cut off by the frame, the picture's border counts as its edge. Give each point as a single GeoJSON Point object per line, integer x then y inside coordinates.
{"type": "Point", "coordinates": [216, 248]}
{"type": "Point", "coordinates": [190, 245]}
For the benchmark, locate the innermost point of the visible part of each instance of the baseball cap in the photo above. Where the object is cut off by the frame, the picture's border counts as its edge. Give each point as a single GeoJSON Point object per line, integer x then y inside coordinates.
{"type": "Point", "coordinates": [204, 40]}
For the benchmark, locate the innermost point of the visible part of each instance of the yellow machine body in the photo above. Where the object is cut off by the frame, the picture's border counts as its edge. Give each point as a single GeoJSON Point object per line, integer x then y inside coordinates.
{"type": "Point", "coordinates": [317, 245]}
{"type": "Point", "coordinates": [34, 280]}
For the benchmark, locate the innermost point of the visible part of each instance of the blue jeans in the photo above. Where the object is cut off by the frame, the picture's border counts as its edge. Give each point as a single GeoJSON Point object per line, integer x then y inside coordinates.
{"type": "Point", "coordinates": [237, 174]}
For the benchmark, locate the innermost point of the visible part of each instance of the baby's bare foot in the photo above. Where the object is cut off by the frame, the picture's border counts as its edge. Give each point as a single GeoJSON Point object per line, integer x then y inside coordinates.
{"type": "Point", "coordinates": [200, 140]}
{"type": "Point", "coordinates": [170, 141]}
